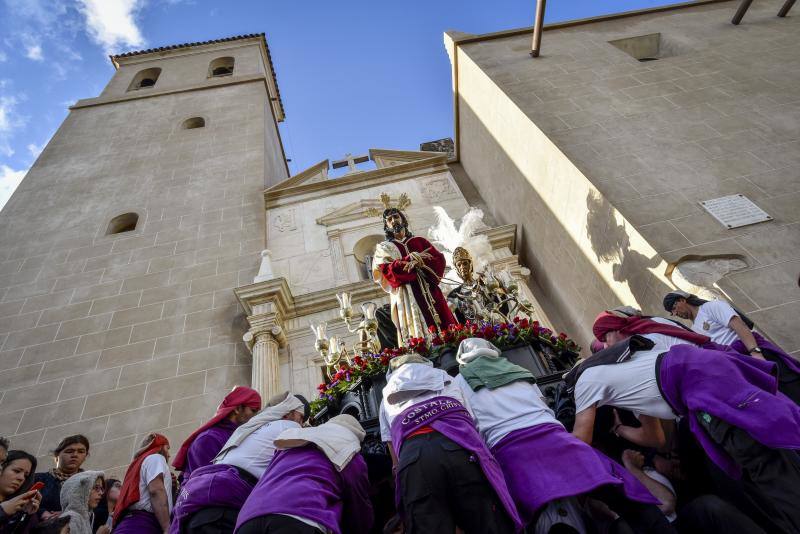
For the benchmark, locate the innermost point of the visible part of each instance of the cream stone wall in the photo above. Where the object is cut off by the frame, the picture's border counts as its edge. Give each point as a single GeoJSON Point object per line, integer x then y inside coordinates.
{"type": "Point", "coordinates": [114, 336]}
{"type": "Point", "coordinates": [602, 160]}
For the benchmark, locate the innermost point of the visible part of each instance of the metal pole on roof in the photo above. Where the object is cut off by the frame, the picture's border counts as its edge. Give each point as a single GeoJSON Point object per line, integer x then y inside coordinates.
{"type": "Point", "coordinates": [743, 7]}
{"type": "Point", "coordinates": [786, 7]}
{"type": "Point", "coordinates": [538, 23]}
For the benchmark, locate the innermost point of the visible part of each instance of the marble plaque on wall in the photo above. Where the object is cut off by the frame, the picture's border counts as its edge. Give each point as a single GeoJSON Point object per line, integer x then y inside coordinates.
{"type": "Point", "coordinates": [734, 211]}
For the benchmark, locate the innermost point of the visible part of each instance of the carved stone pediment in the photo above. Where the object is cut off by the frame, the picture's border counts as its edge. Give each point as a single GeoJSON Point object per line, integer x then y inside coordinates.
{"type": "Point", "coordinates": [384, 158]}
{"type": "Point", "coordinates": [351, 212]}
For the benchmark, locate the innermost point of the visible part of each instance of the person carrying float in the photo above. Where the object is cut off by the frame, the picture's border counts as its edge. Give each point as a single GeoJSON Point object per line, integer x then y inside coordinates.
{"type": "Point", "coordinates": [445, 475]}
{"type": "Point", "coordinates": [209, 502]}
{"type": "Point", "coordinates": [731, 403]}
{"type": "Point", "coordinates": [317, 483]}
{"type": "Point", "coordinates": [545, 467]}
{"type": "Point", "coordinates": [204, 444]}
{"type": "Point", "coordinates": [726, 325]}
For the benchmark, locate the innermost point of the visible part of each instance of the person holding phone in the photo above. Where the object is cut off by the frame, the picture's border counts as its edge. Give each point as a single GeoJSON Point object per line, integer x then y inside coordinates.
{"type": "Point", "coordinates": [19, 501]}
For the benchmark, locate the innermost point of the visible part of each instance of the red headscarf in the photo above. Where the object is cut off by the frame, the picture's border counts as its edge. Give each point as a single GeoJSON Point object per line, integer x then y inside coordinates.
{"type": "Point", "coordinates": [607, 322]}
{"type": "Point", "coordinates": [239, 396]}
{"type": "Point", "coordinates": [129, 493]}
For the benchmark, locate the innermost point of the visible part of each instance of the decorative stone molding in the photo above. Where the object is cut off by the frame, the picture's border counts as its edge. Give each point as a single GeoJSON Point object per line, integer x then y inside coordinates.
{"type": "Point", "coordinates": [290, 192]}
{"type": "Point", "coordinates": [438, 189]}
{"type": "Point", "coordinates": [337, 257]}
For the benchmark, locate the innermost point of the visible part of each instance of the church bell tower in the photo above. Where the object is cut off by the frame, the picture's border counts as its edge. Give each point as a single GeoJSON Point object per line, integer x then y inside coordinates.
{"type": "Point", "coordinates": [120, 250]}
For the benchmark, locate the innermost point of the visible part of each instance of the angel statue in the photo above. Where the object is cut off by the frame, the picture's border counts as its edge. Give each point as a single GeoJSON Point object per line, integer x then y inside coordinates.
{"type": "Point", "coordinates": [469, 254]}
{"type": "Point", "coordinates": [409, 268]}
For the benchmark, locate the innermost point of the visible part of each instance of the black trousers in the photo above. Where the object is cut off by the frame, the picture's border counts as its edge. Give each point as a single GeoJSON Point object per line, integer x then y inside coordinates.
{"type": "Point", "coordinates": [443, 486]}
{"type": "Point", "coordinates": [276, 524]}
{"type": "Point", "coordinates": [788, 380]}
{"type": "Point", "coordinates": [771, 477]}
{"type": "Point", "coordinates": [709, 514]}
{"type": "Point", "coordinates": [640, 517]}
{"type": "Point", "coordinates": [214, 520]}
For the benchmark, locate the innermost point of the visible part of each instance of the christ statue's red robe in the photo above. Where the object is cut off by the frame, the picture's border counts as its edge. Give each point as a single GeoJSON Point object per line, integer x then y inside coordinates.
{"type": "Point", "coordinates": [389, 270]}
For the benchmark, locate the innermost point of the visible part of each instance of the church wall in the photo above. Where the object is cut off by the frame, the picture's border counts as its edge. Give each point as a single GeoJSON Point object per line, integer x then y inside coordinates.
{"type": "Point", "coordinates": [602, 159]}
{"type": "Point", "coordinates": [113, 336]}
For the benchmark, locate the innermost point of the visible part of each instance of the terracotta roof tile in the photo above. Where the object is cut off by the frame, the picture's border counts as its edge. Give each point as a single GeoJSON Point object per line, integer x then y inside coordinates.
{"type": "Point", "coordinates": [187, 45]}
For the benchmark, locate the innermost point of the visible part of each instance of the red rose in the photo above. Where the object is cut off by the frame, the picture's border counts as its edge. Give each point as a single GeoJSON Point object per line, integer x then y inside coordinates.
{"type": "Point", "coordinates": [432, 329]}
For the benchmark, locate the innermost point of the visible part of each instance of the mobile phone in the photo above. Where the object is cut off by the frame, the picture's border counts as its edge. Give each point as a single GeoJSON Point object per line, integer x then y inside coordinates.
{"type": "Point", "coordinates": [36, 486]}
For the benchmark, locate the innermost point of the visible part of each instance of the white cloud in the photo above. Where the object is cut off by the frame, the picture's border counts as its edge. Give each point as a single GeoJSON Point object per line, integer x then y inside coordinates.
{"type": "Point", "coordinates": [34, 52]}
{"type": "Point", "coordinates": [35, 149]}
{"type": "Point", "coordinates": [111, 23]}
{"type": "Point", "coordinates": [3, 56]}
{"type": "Point", "coordinates": [9, 181]}
{"type": "Point", "coordinates": [8, 122]}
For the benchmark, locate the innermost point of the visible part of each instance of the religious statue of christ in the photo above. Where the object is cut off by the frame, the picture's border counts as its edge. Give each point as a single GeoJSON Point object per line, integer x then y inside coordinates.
{"type": "Point", "coordinates": [409, 268]}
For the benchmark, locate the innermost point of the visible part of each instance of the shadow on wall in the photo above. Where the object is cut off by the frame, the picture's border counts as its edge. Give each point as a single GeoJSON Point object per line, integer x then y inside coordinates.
{"type": "Point", "coordinates": [611, 243]}
{"type": "Point", "coordinates": [570, 279]}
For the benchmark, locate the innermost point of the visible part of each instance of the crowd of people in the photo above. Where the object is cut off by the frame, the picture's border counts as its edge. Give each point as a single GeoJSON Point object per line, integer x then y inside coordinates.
{"type": "Point", "coordinates": [675, 429]}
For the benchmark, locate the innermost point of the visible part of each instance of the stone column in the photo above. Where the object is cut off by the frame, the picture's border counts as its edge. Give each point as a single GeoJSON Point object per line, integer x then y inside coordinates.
{"type": "Point", "coordinates": [264, 339]}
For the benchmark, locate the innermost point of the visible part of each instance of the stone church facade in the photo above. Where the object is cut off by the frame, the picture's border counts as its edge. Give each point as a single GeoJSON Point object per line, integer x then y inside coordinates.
{"type": "Point", "coordinates": [129, 253]}
{"type": "Point", "coordinates": [158, 252]}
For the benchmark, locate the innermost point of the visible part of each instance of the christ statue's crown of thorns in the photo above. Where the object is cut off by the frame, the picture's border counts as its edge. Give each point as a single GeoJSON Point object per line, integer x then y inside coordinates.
{"type": "Point", "coordinates": [402, 203]}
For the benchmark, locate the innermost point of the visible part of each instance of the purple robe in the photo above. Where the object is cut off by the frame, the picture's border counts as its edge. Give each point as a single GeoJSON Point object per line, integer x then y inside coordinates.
{"type": "Point", "coordinates": [544, 462]}
{"type": "Point", "coordinates": [740, 390]}
{"type": "Point", "coordinates": [212, 485]}
{"type": "Point", "coordinates": [206, 446]}
{"type": "Point", "coordinates": [448, 416]}
{"type": "Point", "coordinates": [764, 343]}
{"type": "Point", "coordinates": [303, 482]}
{"type": "Point", "coordinates": [138, 522]}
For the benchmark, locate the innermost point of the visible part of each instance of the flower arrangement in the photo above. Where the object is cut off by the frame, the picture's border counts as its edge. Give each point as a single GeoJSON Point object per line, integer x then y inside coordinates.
{"type": "Point", "coordinates": [504, 336]}
{"type": "Point", "coordinates": [365, 365]}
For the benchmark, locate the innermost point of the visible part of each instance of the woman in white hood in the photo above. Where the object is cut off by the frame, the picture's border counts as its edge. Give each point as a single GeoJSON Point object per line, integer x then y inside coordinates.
{"type": "Point", "coordinates": [80, 495]}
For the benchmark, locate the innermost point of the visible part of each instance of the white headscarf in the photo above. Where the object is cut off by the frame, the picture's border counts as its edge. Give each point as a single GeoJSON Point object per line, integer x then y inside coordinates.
{"type": "Point", "coordinates": [474, 347]}
{"type": "Point", "coordinates": [339, 439]}
{"type": "Point", "coordinates": [412, 379]}
{"type": "Point", "coordinates": [277, 407]}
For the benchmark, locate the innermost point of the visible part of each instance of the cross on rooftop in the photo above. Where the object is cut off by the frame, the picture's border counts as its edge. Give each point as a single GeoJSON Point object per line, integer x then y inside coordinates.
{"type": "Point", "coordinates": [350, 161]}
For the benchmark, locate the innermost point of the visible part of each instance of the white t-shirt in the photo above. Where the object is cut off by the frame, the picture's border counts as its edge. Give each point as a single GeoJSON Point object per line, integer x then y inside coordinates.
{"type": "Point", "coordinates": [256, 451]}
{"type": "Point", "coordinates": [153, 465]}
{"type": "Point", "coordinates": [630, 385]}
{"type": "Point", "coordinates": [423, 375]}
{"type": "Point", "coordinates": [502, 410]}
{"type": "Point", "coordinates": [712, 321]}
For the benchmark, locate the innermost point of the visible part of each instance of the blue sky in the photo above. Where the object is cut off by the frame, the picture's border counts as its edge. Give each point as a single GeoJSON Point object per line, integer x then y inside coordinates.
{"type": "Point", "coordinates": [353, 74]}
